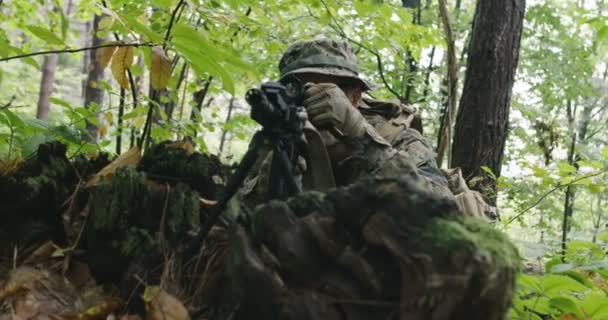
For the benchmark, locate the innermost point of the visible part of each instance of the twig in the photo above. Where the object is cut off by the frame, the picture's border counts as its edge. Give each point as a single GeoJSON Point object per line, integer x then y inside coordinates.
{"type": "Point", "coordinates": [8, 104]}
{"type": "Point", "coordinates": [122, 96]}
{"type": "Point", "coordinates": [557, 187]}
{"type": "Point", "coordinates": [445, 137]}
{"type": "Point", "coordinates": [39, 53]}
{"type": "Point", "coordinates": [15, 255]}
{"type": "Point", "coordinates": [133, 89]}
{"type": "Point", "coordinates": [145, 135]}
{"type": "Point", "coordinates": [121, 110]}
{"type": "Point", "coordinates": [173, 15]}
{"type": "Point", "coordinates": [338, 28]}
{"type": "Point", "coordinates": [10, 142]}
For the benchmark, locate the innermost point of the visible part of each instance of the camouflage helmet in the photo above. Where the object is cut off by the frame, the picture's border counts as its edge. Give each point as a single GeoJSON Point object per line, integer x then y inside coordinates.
{"type": "Point", "coordinates": [323, 56]}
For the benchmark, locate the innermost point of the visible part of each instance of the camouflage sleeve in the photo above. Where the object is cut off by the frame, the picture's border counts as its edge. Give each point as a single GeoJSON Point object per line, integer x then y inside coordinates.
{"type": "Point", "coordinates": [417, 150]}
{"type": "Point", "coordinates": [411, 156]}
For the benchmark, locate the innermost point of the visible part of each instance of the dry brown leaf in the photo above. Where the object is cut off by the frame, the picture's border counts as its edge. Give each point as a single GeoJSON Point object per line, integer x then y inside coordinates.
{"type": "Point", "coordinates": [160, 69]}
{"type": "Point", "coordinates": [79, 274]}
{"type": "Point", "coordinates": [8, 166]}
{"type": "Point", "coordinates": [35, 294]}
{"type": "Point", "coordinates": [104, 55]}
{"type": "Point", "coordinates": [100, 310]}
{"type": "Point", "coordinates": [19, 279]}
{"type": "Point", "coordinates": [162, 306]}
{"type": "Point", "coordinates": [130, 158]}
{"type": "Point", "coordinates": [42, 253]}
{"type": "Point", "coordinates": [123, 59]}
{"type": "Point", "coordinates": [185, 144]}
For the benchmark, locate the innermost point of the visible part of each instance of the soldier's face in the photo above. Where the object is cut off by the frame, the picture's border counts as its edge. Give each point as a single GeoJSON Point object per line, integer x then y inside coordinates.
{"type": "Point", "coordinates": [351, 88]}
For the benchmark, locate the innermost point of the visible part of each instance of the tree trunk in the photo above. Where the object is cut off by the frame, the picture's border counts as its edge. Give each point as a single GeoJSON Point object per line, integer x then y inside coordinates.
{"type": "Point", "coordinates": [451, 85]}
{"type": "Point", "coordinates": [85, 57]}
{"type": "Point", "coordinates": [482, 121]}
{"type": "Point", "coordinates": [568, 200]}
{"type": "Point", "coordinates": [224, 132]}
{"type": "Point", "coordinates": [49, 65]}
{"type": "Point", "coordinates": [598, 220]}
{"type": "Point", "coordinates": [93, 93]}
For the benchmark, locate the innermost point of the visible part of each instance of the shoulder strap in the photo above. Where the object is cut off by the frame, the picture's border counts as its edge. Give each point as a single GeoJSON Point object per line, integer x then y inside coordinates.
{"type": "Point", "coordinates": [398, 116]}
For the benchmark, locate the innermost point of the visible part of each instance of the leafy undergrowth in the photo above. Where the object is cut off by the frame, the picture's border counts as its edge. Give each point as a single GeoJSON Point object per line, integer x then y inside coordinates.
{"type": "Point", "coordinates": [577, 289]}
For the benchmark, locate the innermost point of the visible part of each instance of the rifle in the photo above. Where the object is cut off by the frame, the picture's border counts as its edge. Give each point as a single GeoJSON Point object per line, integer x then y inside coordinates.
{"type": "Point", "coordinates": [277, 107]}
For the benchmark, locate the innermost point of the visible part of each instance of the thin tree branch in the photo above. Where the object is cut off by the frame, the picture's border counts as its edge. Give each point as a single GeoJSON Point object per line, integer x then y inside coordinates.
{"type": "Point", "coordinates": [40, 53]}
{"type": "Point", "coordinates": [154, 94]}
{"type": "Point", "coordinates": [122, 95]}
{"type": "Point", "coordinates": [557, 187]}
{"type": "Point", "coordinates": [133, 89]}
{"type": "Point", "coordinates": [445, 137]}
{"type": "Point", "coordinates": [338, 28]}
{"type": "Point", "coordinates": [173, 19]}
{"type": "Point", "coordinates": [121, 109]}
{"type": "Point", "coordinates": [8, 104]}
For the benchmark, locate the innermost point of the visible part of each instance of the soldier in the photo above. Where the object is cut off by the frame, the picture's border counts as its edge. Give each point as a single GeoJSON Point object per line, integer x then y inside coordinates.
{"type": "Point", "coordinates": [361, 136]}
{"type": "Point", "coordinates": [390, 243]}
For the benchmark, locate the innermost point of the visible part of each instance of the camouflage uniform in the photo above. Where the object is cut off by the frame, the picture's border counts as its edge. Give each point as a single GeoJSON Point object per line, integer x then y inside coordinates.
{"type": "Point", "coordinates": [389, 243]}
{"type": "Point", "coordinates": [393, 144]}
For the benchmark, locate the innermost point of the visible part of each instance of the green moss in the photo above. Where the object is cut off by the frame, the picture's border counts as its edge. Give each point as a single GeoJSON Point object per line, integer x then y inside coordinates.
{"type": "Point", "coordinates": [129, 210]}
{"type": "Point", "coordinates": [307, 202]}
{"type": "Point", "coordinates": [472, 233]}
{"type": "Point", "coordinates": [168, 162]}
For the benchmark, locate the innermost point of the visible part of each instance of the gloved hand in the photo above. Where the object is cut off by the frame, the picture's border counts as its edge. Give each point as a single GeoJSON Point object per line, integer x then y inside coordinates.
{"type": "Point", "coordinates": [328, 107]}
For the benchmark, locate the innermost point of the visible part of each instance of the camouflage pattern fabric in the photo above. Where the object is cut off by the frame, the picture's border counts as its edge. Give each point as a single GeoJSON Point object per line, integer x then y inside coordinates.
{"type": "Point", "coordinates": [323, 56]}
{"type": "Point", "coordinates": [468, 200]}
{"type": "Point", "coordinates": [381, 248]}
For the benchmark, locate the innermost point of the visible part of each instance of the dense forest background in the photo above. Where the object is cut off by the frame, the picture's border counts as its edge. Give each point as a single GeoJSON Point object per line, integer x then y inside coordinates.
{"type": "Point", "coordinates": [106, 76]}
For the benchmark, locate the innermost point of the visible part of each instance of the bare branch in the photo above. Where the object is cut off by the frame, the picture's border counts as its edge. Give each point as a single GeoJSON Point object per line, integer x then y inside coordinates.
{"type": "Point", "coordinates": [557, 187]}
{"type": "Point", "coordinates": [40, 53]}
{"type": "Point", "coordinates": [338, 28]}
{"type": "Point", "coordinates": [173, 19]}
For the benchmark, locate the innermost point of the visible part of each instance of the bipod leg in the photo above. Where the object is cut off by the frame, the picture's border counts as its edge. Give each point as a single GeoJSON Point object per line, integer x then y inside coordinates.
{"type": "Point", "coordinates": [232, 186]}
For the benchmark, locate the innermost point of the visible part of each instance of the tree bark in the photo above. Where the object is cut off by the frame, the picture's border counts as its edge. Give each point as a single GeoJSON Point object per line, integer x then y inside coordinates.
{"type": "Point", "coordinates": [482, 121]}
{"type": "Point", "coordinates": [598, 220]}
{"type": "Point", "coordinates": [93, 93]}
{"type": "Point", "coordinates": [224, 132]}
{"type": "Point", "coordinates": [49, 65]}
{"type": "Point", "coordinates": [445, 132]}
{"type": "Point", "coordinates": [85, 57]}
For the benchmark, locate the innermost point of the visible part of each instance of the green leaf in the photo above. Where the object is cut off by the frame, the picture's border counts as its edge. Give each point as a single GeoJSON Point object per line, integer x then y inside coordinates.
{"type": "Point", "coordinates": [363, 8]}
{"type": "Point", "coordinates": [136, 70]}
{"type": "Point", "coordinates": [565, 168]}
{"type": "Point", "coordinates": [37, 124]}
{"type": "Point", "coordinates": [105, 22]}
{"type": "Point", "coordinates": [489, 172]}
{"type": "Point", "coordinates": [202, 64]}
{"type": "Point", "coordinates": [162, 3]}
{"type": "Point", "coordinates": [591, 164]}
{"type": "Point", "coordinates": [45, 35]}
{"type": "Point", "coordinates": [15, 120]}
{"type": "Point", "coordinates": [529, 282]}
{"type": "Point", "coordinates": [65, 22]}
{"type": "Point", "coordinates": [539, 172]}
{"type": "Point", "coordinates": [138, 27]}
{"type": "Point", "coordinates": [558, 284]}
{"type": "Point", "coordinates": [60, 102]}
{"type": "Point", "coordinates": [596, 306]}
{"type": "Point", "coordinates": [562, 268]}
{"type": "Point", "coordinates": [566, 305]}
{"type": "Point", "coordinates": [189, 34]}
{"type": "Point", "coordinates": [605, 152]}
